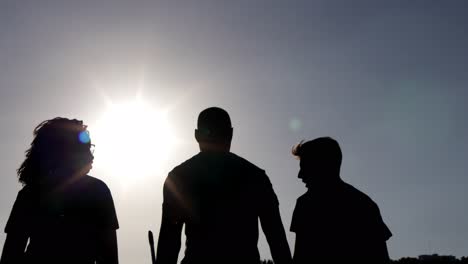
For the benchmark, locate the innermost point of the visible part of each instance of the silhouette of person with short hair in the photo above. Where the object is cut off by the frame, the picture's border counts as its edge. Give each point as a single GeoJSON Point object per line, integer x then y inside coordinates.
{"type": "Point", "coordinates": [333, 221]}
{"type": "Point", "coordinates": [219, 196]}
{"type": "Point", "coordinates": [67, 216]}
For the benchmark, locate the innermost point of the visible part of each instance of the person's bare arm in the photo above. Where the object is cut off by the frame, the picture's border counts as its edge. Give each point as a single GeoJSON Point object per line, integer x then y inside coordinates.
{"type": "Point", "coordinates": [107, 252]}
{"type": "Point", "coordinates": [171, 224]}
{"type": "Point", "coordinates": [14, 247]}
{"type": "Point", "coordinates": [273, 228]}
{"type": "Point", "coordinates": [169, 241]}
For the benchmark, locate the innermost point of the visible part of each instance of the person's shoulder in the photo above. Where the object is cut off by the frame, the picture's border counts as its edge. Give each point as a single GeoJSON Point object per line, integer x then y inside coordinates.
{"type": "Point", "coordinates": [369, 213]}
{"type": "Point", "coordinates": [255, 175]}
{"type": "Point", "coordinates": [91, 183]}
{"type": "Point", "coordinates": [186, 165]}
{"type": "Point", "coordinates": [358, 196]}
{"type": "Point", "coordinates": [26, 190]}
{"type": "Point", "coordinates": [303, 197]}
{"type": "Point", "coordinates": [308, 199]}
{"type": "Point", "coordinates": [26, 193]}
{"type": "Point", "coordinates": [199, 161]}
{"type": "Point", "coordinates": [244, 163]}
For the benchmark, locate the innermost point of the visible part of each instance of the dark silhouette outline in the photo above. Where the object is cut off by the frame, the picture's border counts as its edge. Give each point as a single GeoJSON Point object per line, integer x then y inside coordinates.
{"type": "Point", "coordinates": [422, 259]}
{"type": "Point", "coordinates": [333, 221]}
{"type": "Point", "coordinates": [67, 216]}
{"type": "Point", "coordinates": [219, 197]}
{"type": "Point", "coordinates": [151, 242]}
{"type": "Point", "coordinates": [432, 259]}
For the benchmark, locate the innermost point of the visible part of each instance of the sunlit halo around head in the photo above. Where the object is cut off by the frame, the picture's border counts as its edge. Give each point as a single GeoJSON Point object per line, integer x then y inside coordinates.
{"type": "Point", "coordinates": [132, 140]}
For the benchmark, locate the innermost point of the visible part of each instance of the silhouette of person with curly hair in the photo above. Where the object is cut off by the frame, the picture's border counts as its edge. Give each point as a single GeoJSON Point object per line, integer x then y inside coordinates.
{"type": "Point", "coordinates": [67, 216]}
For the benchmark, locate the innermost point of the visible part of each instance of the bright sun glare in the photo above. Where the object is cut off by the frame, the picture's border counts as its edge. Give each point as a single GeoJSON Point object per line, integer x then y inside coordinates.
{"type": "Point", "coordinates": [133, 140]}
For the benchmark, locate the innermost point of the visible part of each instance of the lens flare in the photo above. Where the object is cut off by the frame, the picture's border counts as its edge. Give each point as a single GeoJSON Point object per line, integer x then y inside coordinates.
{"type": "Point", "coordinates": [84, 137]}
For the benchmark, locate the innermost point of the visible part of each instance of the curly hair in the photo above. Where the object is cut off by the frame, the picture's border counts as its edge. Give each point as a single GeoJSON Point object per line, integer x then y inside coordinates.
{"type": "Point", "coordinates": [54, 140]}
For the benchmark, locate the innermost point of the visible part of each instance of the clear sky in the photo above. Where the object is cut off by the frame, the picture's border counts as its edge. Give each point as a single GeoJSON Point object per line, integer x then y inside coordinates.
{"type": "Point", "coordinates": [387, 79]}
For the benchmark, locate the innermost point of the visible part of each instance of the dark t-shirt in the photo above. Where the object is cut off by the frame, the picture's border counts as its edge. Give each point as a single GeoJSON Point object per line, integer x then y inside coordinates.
{"type": "Point", "coordinates": [64, 225]}
{"type": "Point", "coordinates": [219, 197]}
{"type": "Point", "coordinates": [338, 223]}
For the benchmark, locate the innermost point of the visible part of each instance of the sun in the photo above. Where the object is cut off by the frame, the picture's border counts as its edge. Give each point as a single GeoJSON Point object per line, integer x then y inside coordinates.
{"type": "Point", "coordinates": [133, 140]}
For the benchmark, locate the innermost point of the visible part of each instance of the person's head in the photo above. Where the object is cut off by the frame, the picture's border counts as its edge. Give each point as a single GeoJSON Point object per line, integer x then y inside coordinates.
{"type": "Point", "coordinates": [214, 130]}
{"type": "Point", "coordinates": [61, 148]}
{"type": "Point", "coordinates": [320, 160]}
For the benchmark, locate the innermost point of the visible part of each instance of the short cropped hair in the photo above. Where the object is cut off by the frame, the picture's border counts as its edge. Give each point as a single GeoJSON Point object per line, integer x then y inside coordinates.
{"type": "Point", "coordinates": [214, 125]}
{"type": "Point", "coordinates": [325, 149]}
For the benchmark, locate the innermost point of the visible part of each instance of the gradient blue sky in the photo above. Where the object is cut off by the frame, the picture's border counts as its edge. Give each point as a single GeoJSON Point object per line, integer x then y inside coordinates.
{"type": "Point", "coordinates": [387, 79]}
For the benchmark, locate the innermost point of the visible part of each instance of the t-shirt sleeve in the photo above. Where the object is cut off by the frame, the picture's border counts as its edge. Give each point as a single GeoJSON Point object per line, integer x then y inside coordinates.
{"type": "Point", "coordinates": [106, 209]}
{"type": "Point", "coordinates": [385, 232]}
{"type": "Point", "coordinates": [267, 197]}
{"type": "Point", "coordinates": [380, 229]}
{"type": "Point", "coordinates": [20, 216]}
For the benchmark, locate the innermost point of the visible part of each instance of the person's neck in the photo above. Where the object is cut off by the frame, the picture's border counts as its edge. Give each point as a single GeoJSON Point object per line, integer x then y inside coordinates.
{"type": "Point", "coordinates": [215, 147]}
{"type": "Point", "coordinates": [62, 177]}
{"type": "Point", "coordinates": [327, 182]}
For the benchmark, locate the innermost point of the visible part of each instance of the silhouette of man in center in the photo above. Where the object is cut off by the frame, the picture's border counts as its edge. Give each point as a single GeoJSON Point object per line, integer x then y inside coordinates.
{"type": "Point", "coordinates": [219, 197]}
{"type": "Point", "coordinates": [333, 221]}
